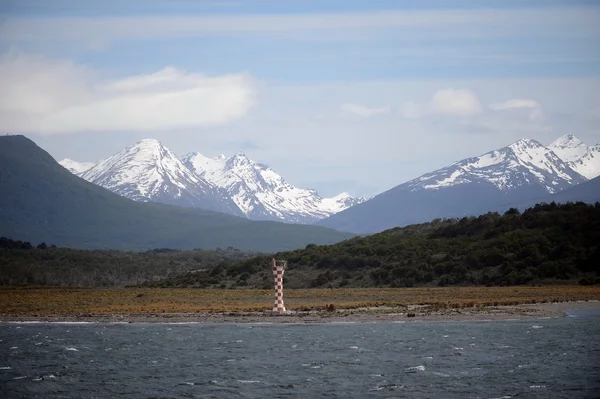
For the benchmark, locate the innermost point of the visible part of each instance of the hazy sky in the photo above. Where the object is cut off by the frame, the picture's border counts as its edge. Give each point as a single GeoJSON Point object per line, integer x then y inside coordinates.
{"type": "Point", "coordinates": [354, 96]}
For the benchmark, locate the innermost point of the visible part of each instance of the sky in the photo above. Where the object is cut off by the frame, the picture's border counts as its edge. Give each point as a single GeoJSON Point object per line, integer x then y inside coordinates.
{"type": "Point", "coordinates": [355, 96]}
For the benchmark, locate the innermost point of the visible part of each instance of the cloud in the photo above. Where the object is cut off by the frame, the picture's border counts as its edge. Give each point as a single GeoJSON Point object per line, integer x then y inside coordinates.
{"type": "Point", "coordinates": [50, 96]}
{"type": "Point", "coordinates": [533, 108]}
{"type": "Point", "coordinates": [450, 102]}
{"type": "Point", "coordinates": [364, 112]}
{"type": "Point", "coordinates": [445, 102]}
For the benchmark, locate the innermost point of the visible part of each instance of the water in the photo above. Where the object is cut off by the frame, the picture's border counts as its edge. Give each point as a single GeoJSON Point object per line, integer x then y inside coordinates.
{"type": "Point", "coordinates": [557, 358]}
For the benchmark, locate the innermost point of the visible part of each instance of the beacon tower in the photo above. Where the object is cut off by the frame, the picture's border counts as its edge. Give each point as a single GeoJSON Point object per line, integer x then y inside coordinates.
{"type": "Point", "coordinates": [279, 267]}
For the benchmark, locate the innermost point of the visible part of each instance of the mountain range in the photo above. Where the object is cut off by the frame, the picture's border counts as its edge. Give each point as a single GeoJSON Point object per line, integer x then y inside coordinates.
{"type": "Point", "coordinates": [517, 174]}
{"type": "Point", "coordinates": [42, 201]}
{"type": "Point", "coordinates": [510, 176]}
{"type": "Point", "coordinates": [148, 171]}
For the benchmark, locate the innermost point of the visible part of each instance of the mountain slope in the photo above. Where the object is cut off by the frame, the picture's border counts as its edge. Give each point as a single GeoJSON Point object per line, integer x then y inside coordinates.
{"type": "Point", "coordinates": [513, 174]}
{"type": "Point", "coordinates": [588, 164]}
{"type": "Point", "coordinates": [148, 171]}
{"type": "Point", "coordinates": [261, 193]}
{"type": "Point", "coordinates": [42, 201]}
{"type": "Point", "coordinates": [588, 192]}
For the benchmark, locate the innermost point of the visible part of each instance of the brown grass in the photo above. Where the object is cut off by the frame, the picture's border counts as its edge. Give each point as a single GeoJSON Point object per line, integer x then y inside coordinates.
{"type": "Point", "coordinates": [66, 301]}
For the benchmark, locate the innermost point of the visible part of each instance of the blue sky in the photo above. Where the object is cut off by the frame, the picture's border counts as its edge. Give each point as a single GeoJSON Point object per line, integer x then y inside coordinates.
{"type": "Point", "coordinates": [354, 96]}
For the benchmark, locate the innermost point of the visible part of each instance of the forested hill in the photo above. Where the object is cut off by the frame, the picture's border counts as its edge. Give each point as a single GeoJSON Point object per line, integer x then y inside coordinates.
{"type": "Point", "coordinates": [545, 243]}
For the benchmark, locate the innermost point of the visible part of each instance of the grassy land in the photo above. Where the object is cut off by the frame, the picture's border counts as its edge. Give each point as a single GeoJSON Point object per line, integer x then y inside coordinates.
{"type": "Point", "coordinates": [70, 301]}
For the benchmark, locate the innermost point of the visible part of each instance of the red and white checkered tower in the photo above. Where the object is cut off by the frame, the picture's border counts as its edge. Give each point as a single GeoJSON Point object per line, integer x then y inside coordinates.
{"type": "Point", "coordinates": [279, 267]}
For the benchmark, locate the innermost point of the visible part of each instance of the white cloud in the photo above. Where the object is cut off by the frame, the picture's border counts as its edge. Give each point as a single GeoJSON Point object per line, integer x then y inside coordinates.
{"type": "Point", "coordinates": [444, 102]}
{"type": "Point", "coordinates": [514, 104]}
{"type": "Point", "coordinates": [451, 102]}
{"type": "Point", "coordinates": [362, 111]}
{"type": "Point", "coordinates": [533, 108]}
{"type": "Point", "coordinates": [49, 96]}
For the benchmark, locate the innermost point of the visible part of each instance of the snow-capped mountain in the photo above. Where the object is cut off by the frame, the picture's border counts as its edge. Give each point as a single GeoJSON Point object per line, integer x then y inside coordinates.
{"type": "Point", "coordinates": [581, 158]}
{"type": "Point", "coordinates": [148, 171]}
{"type": "Point", "coordinates": [523, 163]}
{"type": "Point", "coordinates": [261, 193]}
{"type": "Point", "coordinates": [589, 163]}
{"type": "Point", "coordinates": [568, 148]}
{"type": "Point", "coordinates": [75, 167]}
{"type": "Point", "coordinates": [495, 181]}
{"type": "Point", "coordinates": [340, 202]}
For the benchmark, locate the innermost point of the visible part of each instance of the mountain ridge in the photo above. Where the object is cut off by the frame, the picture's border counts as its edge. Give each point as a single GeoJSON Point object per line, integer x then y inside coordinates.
{"type": "Point", "coordinates": [261, 193]}
{"type": "Point", "coordinates": [513, 174]}
{"type": "Point", "coordinates": [148, 171]}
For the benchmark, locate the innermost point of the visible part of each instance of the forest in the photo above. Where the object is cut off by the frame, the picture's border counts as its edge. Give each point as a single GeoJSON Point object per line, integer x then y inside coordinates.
{"type": "Point", "coordinates": [21, 263]}
{"type": "Point", "coordinates": [545, 244]}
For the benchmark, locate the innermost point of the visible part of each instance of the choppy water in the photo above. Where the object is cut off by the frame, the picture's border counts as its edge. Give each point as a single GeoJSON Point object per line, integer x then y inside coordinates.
{"type": "Point", "coordinates": [526, 359]}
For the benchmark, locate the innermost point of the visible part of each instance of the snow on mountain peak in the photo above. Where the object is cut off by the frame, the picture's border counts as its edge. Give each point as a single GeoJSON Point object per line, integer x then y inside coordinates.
{"type": "Point", "coordinates": [199, 164]}
{"type": "Point", "coordinates": [568, 140]}
{"type": "Point", "coordinates": [525, 144]}
{"type": "Point", "coordinates": [75, 167]}
{"type": "Point", "coordinates": [146, 164]}
{"type": "Point", "coordinates": [568, 148]}
{"type": "Point", "coordinates": [340, 202]}
{"type": "Point", "coordinates": [524, 162]}
{"type": "Point", "coordinates": [239, 161]}
{"type": "Point", "coordinates": [342, 195]}
{"type": "Point", "coordinates": [589, 163]}
{"type": "Point", "coordinates": [149, 171]}
{"type": "Point", "coordinates": [261, 193]}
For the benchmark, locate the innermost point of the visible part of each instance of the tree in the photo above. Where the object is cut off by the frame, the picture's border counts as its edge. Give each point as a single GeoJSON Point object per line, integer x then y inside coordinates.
{"type": "Point", "coordinates": [512, 211]}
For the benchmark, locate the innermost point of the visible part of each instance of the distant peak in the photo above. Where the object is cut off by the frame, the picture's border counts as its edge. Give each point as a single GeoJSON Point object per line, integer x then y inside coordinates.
{"type": "Point", "coordinates": [71, 161]}
{"type": "Point", "coordinates": [527, 142]}
{"type": "Point", "coordinates": [566, 141]}
{"type": "Point", "coordinates": [220, 157]}
{"type": "Point", "coordinates": [74, 166]}
{"type": "Point", "coordinates": [343, 195]}
{"type": "Point", "coordinates": [522, 144]}
{"type": "Point", "coordinates": [148, 142]}
{"type": "Point", "coordinates": [237, 160]}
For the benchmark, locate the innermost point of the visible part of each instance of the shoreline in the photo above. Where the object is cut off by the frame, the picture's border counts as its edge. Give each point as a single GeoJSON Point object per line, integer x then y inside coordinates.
{"type": "Point", "coordinates": [362, 315]}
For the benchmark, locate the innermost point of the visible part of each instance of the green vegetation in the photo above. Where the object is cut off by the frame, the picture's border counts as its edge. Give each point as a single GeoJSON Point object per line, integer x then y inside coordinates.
{"type": "Point", "coordinates": [548, 243]}
{"type": "Point", "coordinates": [42, 201]}
{"type": "Point", "coordinates": [23, 264]}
